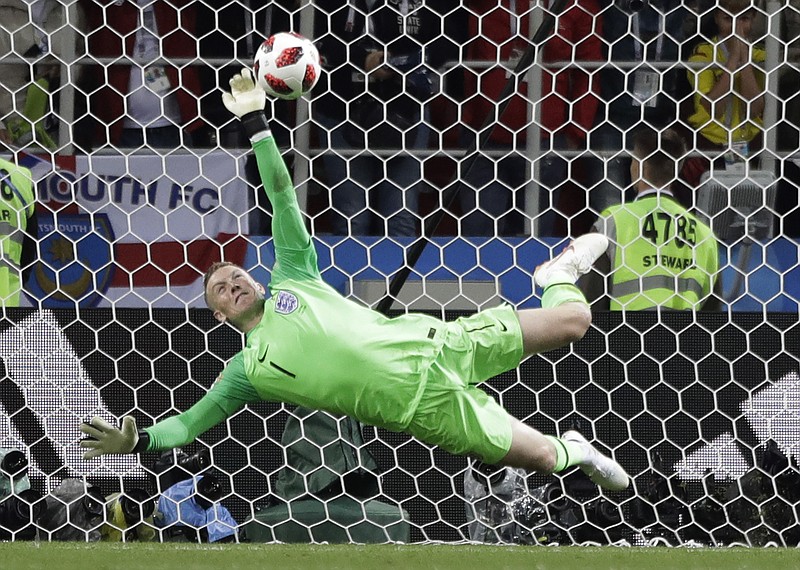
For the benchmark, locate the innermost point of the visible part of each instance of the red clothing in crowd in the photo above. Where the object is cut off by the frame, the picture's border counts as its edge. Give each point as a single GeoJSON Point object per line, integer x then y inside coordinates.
{"type": "Point", "coordinates": [114, 33]}
{"type": "Point", "coordinates": [569, 96]}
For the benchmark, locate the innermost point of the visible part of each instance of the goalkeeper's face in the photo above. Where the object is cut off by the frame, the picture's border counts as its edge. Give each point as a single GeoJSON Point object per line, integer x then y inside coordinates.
{"type": "Point", "coordinates": [235, 297]}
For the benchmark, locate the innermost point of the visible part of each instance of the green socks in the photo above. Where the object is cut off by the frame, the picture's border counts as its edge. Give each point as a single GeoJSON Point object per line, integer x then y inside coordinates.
{"type": "Point", "coordinates": [568, 453]}
{"type": "Point", "coordinates": [560, 293]}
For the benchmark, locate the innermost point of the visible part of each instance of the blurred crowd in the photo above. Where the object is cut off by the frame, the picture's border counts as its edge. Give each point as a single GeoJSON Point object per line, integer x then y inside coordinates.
{"type": "Point", "coordinates": [412, 88]}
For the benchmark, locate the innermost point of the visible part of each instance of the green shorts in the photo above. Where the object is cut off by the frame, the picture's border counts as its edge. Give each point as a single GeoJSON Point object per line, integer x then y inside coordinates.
{"type": "Point", "coordinates": [454, 413]}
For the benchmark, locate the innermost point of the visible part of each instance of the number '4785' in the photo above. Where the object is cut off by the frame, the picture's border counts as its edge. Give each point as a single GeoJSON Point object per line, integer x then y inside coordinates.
{"type": "Point", "coordinates": [660, 227]}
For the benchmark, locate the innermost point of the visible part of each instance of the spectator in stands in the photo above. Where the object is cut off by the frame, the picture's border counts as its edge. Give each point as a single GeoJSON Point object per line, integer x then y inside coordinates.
{"type": "Point", "coordinates": [150, 102]}
{"type": "Point", "coordinates": [381, 61]}
{"type": "Point", "coordinates": [35, 30]}
{"type": "Point", "coordinates": [568, 108]}
{"type": "Point", "coordinates": [337, 27]}
{"type": "Point", "coordinates": [233, 31]}
{"type": "Point", "coordinates": [19, 231]}
{"type": "Point", "coordinates": [661, 255]}
{"type": "Point", "coordinates": [729, 86]}
{"type": "Point", "coordinates": [640, 83]}
{"type": "Point", "coordinates": [788, 131]}
{"type": "Point", "coordinates": [310, 346]}
{"type": "Point", "coordinates": [498, 33]}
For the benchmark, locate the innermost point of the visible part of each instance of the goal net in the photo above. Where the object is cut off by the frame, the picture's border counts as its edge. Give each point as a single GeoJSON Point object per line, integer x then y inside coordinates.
{"type": "Point", "coordinates": [494, 129]}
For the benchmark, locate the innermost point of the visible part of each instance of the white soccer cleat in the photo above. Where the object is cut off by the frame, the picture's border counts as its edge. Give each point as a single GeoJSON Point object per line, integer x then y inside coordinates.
{"type": "Point", "coordinates": [602, 470]}
{"type": "Point", "coordinates": [575, 260]}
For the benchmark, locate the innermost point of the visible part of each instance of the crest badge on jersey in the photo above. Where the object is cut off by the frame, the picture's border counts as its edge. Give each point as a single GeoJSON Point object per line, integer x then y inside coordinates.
{"type": "Point", "coordinates": [285, 303]}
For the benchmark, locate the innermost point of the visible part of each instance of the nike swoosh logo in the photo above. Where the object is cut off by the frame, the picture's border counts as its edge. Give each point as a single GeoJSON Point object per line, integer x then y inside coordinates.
{"type": "Point", "coordinates": [263, 354]}
{"type": "Point", "coordinates": [570, 247]}
{"type": "Point", "coordinates": [505, 328]}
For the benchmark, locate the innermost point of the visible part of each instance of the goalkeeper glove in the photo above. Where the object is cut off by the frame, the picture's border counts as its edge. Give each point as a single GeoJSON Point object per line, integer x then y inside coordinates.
{"type": "Point", "coordinates": [105, 438]}
{"type": "Point", "coordinates": [247, 100]}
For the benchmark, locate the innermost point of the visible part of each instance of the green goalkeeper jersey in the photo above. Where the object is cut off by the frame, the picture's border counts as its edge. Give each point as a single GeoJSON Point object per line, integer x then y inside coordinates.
{"type": "Point", "coordinates": [313, 347]}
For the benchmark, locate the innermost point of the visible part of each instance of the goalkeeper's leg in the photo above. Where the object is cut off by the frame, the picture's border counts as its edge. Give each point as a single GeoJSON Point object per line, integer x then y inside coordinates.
{"type": "Point", "coordinates": [564, 318]}
{"type": "Point", "coordinates": [565, 315]}
{"type": "Point", "coordinates": [534, 451]}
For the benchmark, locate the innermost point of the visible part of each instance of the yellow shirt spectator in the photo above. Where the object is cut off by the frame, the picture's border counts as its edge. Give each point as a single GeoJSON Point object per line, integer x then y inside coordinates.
{"type": "Point", "coordinates": [730, 122]}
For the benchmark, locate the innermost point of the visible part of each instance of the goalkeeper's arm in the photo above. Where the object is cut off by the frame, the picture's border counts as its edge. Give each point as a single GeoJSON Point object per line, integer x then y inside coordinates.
{"type": "Point", "coordinates": [247, 100]}
{"type": "Point", "coordinates": [176, 431]}
{"type": "Point", "coordinates": [229, 394]}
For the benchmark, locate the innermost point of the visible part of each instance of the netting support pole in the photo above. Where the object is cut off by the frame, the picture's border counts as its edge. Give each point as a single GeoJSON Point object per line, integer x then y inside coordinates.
{"type": "Point", "coordinates": [301, 136]}
{"type": "Point", "coordinates": [774, 50]}
{"type": "Point", "coordinates": [533, 140]}
{"type": "Point", "coordinates": [69, 71]}
{"type": "Point", "coordinates": [449, 196]}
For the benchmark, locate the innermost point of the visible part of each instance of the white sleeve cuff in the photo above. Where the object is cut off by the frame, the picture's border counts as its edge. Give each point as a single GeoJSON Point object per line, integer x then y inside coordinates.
{"type": "Point", "coordinates": [260, 136]}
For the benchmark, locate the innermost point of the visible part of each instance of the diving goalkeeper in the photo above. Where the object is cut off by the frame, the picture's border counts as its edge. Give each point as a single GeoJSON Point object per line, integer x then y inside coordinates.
{"type": "Point", "coordinates": [307, 345]}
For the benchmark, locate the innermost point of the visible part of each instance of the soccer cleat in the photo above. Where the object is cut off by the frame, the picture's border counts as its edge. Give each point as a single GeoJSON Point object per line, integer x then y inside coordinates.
{"type": "Point", "coordinates": [602, 470]}
{"type": "Point", "coordinates": [575, 260]}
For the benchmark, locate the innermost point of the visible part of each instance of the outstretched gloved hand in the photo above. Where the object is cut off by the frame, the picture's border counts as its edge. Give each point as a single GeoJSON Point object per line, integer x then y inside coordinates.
{"type": "Point", "coordinates": [105, 439]}
{"type": "Point", "coordinates": [245, 95]}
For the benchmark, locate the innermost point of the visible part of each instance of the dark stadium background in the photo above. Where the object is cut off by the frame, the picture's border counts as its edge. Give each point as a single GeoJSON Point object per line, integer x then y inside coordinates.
{"type": "Point", "coordinates": [652, 383]}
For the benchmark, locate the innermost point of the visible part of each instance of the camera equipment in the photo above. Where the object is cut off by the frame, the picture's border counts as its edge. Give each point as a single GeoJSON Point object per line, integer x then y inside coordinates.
{"type": "Point", "coordinates": [209, 491]}
{"type": "Point", "coordinates": [13, 472]}
{"type": "Point", "coordinates": [486, 474]}
{"type": "Point", "coordinates": [136, 506]}
{"type": "Point", "coordinates": [502, 509]}
{"type": "Point", "coordinates": [174, 467]}
{"type": "Point", "coordinates": [604, 513]}
{"type": "Point", "coordinates": [602, 523]}
{"type": "Point", "coordinates": [196, 462]}
{"type": "Point", "coordinates": [125, 514]}
{"type": "Point", "coordinates": [14, 464]}
{"type": "Point", "coordinates": [18, 513]}
{"type": "Point", "coordinates": [185, 511]}
{"type": "Point", "coordinates": [92, 502]}
{"type": "Point", "coordinates": [74, 511]}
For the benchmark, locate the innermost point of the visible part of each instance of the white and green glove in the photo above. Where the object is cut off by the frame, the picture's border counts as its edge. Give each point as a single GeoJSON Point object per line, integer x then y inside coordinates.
{"type": "Point", "coordinates": [105, 439]}
{"type": "Point", "coordinates": [247, 100]}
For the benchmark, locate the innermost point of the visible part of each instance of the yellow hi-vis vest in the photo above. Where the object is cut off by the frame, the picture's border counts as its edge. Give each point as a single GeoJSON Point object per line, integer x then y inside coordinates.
{"type": "Point", "coordinates": [661, 254]}
{"type": "Point", "coordinates": [17, 201]}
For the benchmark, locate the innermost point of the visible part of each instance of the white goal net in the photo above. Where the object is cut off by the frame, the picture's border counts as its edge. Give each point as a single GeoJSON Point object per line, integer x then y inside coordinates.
{"type": "Point", "coordinates": [448, 149]}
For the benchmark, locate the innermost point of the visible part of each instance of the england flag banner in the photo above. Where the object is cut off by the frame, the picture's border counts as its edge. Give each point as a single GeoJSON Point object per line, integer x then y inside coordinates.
{"type": "Point", "coordinates": [136, 230]}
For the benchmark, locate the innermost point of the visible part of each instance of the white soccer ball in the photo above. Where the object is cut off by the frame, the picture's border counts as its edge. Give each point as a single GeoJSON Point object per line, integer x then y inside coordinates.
{"type": "Point", "coordinates": [287, 65]}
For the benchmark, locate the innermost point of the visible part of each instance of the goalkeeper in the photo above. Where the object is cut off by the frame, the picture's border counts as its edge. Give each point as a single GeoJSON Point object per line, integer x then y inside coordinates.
{"type": "Point", "coordinates": [307, 345]}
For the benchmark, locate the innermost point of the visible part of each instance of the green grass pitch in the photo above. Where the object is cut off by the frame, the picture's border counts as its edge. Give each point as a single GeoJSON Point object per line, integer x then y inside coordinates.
{"type": "Point", "coordinates": [115, 556]}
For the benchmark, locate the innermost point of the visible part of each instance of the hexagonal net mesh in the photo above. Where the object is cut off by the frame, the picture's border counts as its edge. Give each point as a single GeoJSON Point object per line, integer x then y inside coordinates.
{"type": "Point", "coordinates": [495, 129]}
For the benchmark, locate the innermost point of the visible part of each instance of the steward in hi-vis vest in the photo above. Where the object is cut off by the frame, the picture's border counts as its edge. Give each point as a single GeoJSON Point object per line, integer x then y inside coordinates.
{"type": "Point", "coordinates": [660, 254]}
{"type": "Point", "coordinates": [17, 210]}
